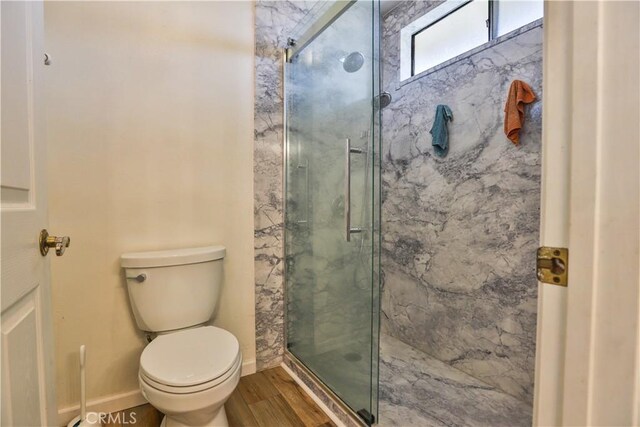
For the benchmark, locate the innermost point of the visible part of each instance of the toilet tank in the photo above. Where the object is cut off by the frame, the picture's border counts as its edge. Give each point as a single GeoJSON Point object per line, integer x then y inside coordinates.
{"type": "Point", "coordinates": [173, 289]}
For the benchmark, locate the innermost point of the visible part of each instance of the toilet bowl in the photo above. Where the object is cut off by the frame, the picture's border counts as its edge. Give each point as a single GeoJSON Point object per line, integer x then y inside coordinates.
{"type": "Point", "coordinates": [189, 370]}
{"type": "Point", "coordinates": [189, 375]}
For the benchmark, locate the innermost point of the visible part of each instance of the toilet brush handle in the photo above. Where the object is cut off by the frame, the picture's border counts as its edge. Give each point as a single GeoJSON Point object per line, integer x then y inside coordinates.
{"type": "Point", "coordinates": [83, 385]}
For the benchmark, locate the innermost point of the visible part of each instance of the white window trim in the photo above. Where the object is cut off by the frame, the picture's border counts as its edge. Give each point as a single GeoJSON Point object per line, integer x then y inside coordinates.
{"type": "Point", "coordinates": [406, 34]}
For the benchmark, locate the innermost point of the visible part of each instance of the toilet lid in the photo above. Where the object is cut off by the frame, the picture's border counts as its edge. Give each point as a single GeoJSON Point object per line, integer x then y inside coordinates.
{"type": "Point", "coordinates": [190, 357]}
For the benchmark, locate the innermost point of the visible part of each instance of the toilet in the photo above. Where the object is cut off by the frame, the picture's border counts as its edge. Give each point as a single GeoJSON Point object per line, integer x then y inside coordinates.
{"type": "Point", "coordinates": [189, 370]}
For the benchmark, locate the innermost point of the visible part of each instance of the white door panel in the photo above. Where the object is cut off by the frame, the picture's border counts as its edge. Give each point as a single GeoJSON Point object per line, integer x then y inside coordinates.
{"type": "Point", "coordinates": [17, 60]}
{"type": "Point", "coordinates": [23, 387]}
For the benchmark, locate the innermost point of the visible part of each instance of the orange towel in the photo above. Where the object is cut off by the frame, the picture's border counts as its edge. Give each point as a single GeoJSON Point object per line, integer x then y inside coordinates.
{"type": "Point", "coordinates": [519, 94]}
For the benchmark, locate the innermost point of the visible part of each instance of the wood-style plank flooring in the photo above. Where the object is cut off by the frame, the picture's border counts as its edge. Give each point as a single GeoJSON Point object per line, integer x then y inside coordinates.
{"type": "Point", "coordinates": [270, 398]}
{"type": "Point", "coordinates": [140, 416]}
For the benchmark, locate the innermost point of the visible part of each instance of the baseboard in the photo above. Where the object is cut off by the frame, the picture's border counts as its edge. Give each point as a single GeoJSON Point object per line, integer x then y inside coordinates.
{"type": "Point", "coordinates": [248, 367]}
{"type": "Point", "coordinates": [119, 402]}
{"type": "Point", "coordinates": [312, 395]}
{"type": "Point", "coordinates": [113, 403]}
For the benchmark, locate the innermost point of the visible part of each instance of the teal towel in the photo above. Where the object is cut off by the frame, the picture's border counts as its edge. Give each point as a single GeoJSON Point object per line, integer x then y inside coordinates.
{"type": "Point", "coordinates": [439, 130]}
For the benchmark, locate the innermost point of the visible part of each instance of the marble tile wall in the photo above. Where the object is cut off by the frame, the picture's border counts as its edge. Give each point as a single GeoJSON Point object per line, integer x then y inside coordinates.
{"type": "Point", "coordinates": [274, 21]}
{"type": "Point", "coordinates": [460, 232]}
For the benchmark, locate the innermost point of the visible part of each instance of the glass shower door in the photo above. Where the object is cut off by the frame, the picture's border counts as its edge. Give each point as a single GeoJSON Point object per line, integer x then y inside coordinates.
{"type": "Point", "coordinates": [332, 201]}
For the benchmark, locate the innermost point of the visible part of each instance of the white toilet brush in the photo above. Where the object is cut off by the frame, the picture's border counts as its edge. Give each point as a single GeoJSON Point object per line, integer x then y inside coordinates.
{"type": "Point", "coordinates": [84, 419]}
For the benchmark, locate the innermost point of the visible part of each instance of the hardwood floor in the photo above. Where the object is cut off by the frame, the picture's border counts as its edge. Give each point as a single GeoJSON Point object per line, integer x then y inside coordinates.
{"type": "Point", "coordinates": [140, 416]}
{"type": "Point", "coordinates": [270, 398]}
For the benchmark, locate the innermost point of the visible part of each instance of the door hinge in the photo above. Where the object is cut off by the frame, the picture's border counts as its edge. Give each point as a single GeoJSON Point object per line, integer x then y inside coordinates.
{"type": "Point", "coordinates": [552, 265]}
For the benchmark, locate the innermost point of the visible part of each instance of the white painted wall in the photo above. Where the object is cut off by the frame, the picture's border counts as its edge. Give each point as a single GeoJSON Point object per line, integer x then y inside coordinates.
{"type": "Point", "coordinates": [150, 118]}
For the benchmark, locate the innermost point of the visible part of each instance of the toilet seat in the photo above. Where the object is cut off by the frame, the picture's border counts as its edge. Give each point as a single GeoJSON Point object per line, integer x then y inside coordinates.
{"type": "Point", "coordinates": [194, 388]}
{"type": "Point", "coordinates": [191, 360]}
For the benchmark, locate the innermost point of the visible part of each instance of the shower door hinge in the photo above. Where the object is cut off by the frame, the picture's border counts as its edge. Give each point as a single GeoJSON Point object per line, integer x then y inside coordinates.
{"type": "Point", "coordinates": [552, 265]}
{"type": "Point", "coordinates": [288, 51]}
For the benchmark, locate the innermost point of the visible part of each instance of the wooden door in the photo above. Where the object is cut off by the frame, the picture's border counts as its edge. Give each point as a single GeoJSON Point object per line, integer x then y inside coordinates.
{"type": "Point", "coordinates": [28, 383]}
{"type": "Point", "coordinates": [588, 348]}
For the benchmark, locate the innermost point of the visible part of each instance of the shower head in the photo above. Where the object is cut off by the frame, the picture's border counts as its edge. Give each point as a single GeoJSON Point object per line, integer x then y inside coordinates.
{"type": "Point", "coordinates": [353, 62]}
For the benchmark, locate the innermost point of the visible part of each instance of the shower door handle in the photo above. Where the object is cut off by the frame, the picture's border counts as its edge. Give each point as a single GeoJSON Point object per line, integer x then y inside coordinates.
{"type": "Point", "coordinates": [347, 190]}
{"type": "Point", "coordinates": [305, 167]}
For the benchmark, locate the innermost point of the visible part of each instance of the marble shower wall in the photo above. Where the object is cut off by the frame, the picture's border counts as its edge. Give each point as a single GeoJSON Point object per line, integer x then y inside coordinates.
{"type": "Point", "coordinates": [460, 233]}
{"type": "Point", "coordinates": [274, 21]}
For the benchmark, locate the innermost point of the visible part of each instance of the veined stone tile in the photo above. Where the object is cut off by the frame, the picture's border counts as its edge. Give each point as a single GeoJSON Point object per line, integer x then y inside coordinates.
{"type": "Point", "coordinates": [459, 234]}
{"type": "Point", "coordinates": [419, 390]}
{"type": "Point", "coordinates": [273, 22]}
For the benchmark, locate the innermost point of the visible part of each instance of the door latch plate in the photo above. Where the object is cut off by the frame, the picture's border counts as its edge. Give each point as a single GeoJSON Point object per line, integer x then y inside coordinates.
{"type": "Point", "coordinates": [552, 265]}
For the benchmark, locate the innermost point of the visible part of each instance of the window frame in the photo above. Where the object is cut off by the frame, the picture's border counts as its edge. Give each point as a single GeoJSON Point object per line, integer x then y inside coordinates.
{"type": "Point", "coordinates": [433, 16]}
{"type": "Point", "coordinates": [489, 22]}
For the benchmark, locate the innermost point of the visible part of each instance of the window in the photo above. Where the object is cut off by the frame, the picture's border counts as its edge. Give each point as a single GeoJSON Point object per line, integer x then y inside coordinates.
{"type": "Point", "coordinates": [452, 35]}
{"type": "Point", "coordinates": [458, 26]}
{"type": "Point", "coordinates": [511, 15]}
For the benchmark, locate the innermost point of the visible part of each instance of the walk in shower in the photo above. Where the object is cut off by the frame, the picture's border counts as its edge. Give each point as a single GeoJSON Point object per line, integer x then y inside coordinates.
{"type": "Point", "coordinates": [332, 210]}
{"type": "Point", "coordinates": [410, 279]}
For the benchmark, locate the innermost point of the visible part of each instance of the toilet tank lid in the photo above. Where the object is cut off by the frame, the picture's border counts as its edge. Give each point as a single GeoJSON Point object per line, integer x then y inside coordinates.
{"type": "Point", "coordinates": [172, 257]}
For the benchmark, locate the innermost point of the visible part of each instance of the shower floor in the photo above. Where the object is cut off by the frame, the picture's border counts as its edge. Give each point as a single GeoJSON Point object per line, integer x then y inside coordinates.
{"type": "Point", "coordinates": [419, 390]}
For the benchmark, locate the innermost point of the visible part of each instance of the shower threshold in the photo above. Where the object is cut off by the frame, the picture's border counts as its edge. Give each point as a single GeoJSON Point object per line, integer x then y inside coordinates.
{"type": "Point", "coordinates": [419, 390]}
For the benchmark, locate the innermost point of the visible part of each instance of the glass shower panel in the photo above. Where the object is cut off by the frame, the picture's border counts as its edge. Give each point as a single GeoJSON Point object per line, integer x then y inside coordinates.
{"type": "Point", "coordinates": [332, 205]}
